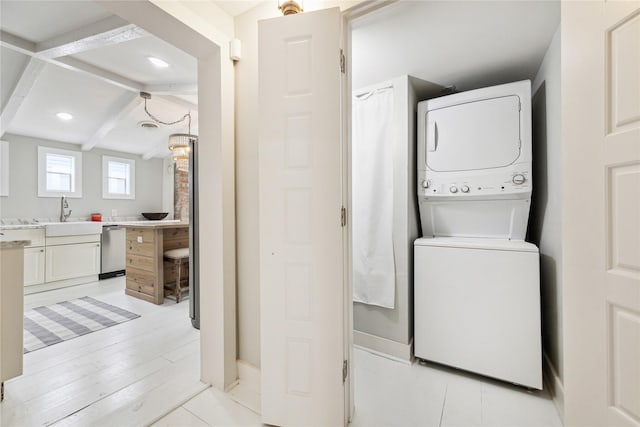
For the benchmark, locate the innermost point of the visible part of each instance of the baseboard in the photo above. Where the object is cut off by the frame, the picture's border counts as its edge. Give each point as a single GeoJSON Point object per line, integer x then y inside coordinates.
{"type": "Point", "coordinates": [247, 389]}
{"type": "Point", "coordinates": [554, 385]}
{"type": "Point", "coordinates": [384, 347]}
{"type": "Point", "coordinates": [48, 286]}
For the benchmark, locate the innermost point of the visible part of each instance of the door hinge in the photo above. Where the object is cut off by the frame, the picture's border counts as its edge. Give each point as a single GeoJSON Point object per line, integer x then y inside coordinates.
{"type": "Point", "coordinates": [345, 371]}
{"type": "Point", "coordinates": [343, 62]}
{"type": "Point", "coordinates": [343, 216]}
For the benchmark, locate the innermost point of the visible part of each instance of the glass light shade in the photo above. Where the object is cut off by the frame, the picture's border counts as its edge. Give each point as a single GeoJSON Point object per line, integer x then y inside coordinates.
{"type": "Point", "coordinates": [180, 140]}
{"type": "Point", "coordinates": [289, 7]}
{"type": "Point", "coordinates": [182, 164]}
{"type": "Point", "coordinates": [180, 153]}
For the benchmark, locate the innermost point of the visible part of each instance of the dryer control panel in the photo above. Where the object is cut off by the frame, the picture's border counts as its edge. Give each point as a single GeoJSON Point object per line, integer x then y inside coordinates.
{"type": "Point", "coordinates": [437, 186]}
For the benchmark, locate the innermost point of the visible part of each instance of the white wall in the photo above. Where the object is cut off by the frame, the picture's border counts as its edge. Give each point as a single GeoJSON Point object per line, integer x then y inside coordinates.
{"type": "Point", "coordinates": [545, 228]}
{"type": "Point", "coordinates": [396, 325]}
{"type": "Point", "coordinates": [248, 279]}
{"type": "Point", "coordinates": [23, 201]}
{"type": "Point", "coordinates": [469, 44]}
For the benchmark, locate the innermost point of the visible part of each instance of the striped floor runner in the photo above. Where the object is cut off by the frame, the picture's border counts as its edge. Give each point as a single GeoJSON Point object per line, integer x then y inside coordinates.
{"type": "Point", "coordinates": [52, 324]}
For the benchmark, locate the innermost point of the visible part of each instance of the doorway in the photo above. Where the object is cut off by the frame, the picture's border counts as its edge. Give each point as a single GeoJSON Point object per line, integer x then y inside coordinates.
{"type": "Point", "coordinates": [394, 33]}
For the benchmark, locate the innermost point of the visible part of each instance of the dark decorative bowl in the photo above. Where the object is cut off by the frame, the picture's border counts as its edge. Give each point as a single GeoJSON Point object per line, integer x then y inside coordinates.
{"type": "Point", "coordinates": [155, 216]}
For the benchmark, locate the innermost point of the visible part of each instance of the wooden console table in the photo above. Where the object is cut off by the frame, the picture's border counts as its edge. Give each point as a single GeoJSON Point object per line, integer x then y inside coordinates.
{"type": "Point", "coordinates": [146, 244]}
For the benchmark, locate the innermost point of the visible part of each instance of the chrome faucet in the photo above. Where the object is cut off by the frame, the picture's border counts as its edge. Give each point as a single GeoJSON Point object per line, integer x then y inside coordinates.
{"type": "Point", "coordinates": [64, 205]}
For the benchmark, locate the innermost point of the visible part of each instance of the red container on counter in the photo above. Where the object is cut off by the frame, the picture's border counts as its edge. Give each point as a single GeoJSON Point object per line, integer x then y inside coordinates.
{"type": "Point", "coordinates": [96, 217]}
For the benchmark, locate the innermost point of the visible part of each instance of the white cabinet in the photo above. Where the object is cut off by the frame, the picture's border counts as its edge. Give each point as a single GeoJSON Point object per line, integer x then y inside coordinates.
{"type": "Point", "coordinates": [72, 256]}
{"type": "Point", "coordinates": [34, 261]}
{"type": "Point", "coordinates": [34, 258]}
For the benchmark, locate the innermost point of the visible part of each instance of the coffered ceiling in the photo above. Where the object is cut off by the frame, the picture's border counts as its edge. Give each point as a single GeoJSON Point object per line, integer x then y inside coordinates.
{"type": "Point", "coordinates": [74, 57]}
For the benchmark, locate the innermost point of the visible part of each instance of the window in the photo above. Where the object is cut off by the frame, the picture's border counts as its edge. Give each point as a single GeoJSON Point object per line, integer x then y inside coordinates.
{"type": "Point", "coordinates": [118, 178]}
{"type": "Point", "coordinates": [59, 172]}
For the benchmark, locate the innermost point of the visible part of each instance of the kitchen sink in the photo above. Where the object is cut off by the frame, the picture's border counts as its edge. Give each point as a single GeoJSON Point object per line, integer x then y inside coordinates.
{"type": "Point", "coordinates": [72, 228]}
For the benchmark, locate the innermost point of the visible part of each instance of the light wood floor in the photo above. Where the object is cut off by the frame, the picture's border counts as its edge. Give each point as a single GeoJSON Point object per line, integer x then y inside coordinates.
{"type": "Point", "coordinates": [126, 375]}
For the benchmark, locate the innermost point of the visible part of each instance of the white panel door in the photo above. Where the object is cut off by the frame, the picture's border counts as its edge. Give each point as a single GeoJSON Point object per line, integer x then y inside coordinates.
{"type": "Point", "coordinates": [34, 266]}
{"type": "Point", "coordinates": [601, 142]}
{"type": "Point", "coordinates": [301, 237]}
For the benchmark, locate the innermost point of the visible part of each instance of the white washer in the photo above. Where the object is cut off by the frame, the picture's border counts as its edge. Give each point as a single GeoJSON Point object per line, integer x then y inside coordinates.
{"type": "Point", "coordinates": [477, 307]}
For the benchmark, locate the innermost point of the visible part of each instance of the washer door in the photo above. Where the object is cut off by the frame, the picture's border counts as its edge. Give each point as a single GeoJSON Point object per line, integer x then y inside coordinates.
{"type": "Point", "coordinates": [476, 135]}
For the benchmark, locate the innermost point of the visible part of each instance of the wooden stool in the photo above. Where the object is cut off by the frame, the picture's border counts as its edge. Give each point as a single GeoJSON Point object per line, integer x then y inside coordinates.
{"type": "Point", "coordinates": [178, 257]}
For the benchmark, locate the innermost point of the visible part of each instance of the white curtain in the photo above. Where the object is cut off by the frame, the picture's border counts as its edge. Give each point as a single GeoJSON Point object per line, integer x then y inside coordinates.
{"type": "Point", "coordinates": [372, 181]}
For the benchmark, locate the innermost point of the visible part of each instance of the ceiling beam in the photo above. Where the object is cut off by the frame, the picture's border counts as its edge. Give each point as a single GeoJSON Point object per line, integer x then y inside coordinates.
{"type": "Point", "coordinates": [16, 43]}
{"type": "Point", "coordinates": [28, 78]}
{"type": "Point", "coordinates": [159, 147]}
{"type": "Point", "coordinates": [26, 47]}
{"type": "Point", "coordinates": [125, 105]}
{"type": "Point", "coordinates": [172, 89]}
{"type": "Point", "coordinates": [108, 31]}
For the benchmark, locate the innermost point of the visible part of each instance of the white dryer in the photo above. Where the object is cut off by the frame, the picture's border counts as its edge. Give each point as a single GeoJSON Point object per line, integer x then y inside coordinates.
{"type": "Point", "coordinates": [476, 282]}
{"type": "Point", "coordinates": [474, 163]}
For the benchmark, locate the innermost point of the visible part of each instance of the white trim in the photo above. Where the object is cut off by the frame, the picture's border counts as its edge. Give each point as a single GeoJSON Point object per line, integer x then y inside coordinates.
{"type": "Point", "coordinates": [48, 286]}
{"type": "Point", "coordinates": [246, 390]}
{"type": "Point", "coordinates": [554, 384]}
{"type": "Point", "coordinates": [42, 173]}
{"type": "Point", "coordinates": [131, 178]}
{"type": "Point", "coordinates": [384, 347]}
{"type": "Point", "coordinates": [4, 168]}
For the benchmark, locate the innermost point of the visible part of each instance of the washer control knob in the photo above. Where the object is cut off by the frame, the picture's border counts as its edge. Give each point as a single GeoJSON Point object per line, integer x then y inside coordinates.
{"type": "Point", "coordinates": [426, 183]}
{"type": "Point", "coordinates": [464, 188]}
{"type": "Point", "coordinates": [518, 179]}
{"type": "Point", "coordinates": [453, 189]}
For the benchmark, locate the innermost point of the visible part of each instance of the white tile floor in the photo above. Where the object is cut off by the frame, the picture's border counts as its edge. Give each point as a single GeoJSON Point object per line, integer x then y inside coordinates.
{"type": "Point", "coordinates": [126, 375]}
{"type": "Point", "coordinates": [389, 393]}
{"type": "Point", "coordinates": [133, 373]}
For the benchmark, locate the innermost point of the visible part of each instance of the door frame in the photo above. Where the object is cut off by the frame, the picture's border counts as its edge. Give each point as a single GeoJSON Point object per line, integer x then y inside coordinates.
{"type": "Point", "coordinates": [349, 18]}
{"type": "Point", "coordinates": [171, 22]}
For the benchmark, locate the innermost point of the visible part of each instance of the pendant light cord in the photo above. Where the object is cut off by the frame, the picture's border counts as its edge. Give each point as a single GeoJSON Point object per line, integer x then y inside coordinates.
{"type": "Point", "coordinates": [155, 119]}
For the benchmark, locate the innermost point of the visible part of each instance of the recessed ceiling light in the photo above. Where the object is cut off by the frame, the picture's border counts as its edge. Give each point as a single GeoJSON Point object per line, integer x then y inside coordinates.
{"type": "Point", "coordinates": [158, 62]}
{"type": "Point", "coordinates": [64, 116]}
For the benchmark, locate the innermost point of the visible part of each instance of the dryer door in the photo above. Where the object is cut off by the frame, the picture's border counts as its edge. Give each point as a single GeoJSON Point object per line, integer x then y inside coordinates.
{"type": "Point", "coordinates": [476, 135]}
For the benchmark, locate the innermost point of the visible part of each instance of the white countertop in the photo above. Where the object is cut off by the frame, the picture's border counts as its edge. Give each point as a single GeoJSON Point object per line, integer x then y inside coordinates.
{"type": "Point", "coordinates": [44, 224]}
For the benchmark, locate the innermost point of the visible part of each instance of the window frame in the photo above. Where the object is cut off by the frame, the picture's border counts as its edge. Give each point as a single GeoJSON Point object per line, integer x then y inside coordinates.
{"type": "Point", "coordinates": [105, 178]}
{"type": "Point", "coordinates": [42, 172]}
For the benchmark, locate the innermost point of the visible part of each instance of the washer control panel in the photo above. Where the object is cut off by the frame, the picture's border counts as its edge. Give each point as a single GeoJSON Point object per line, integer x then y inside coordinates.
{"type": "Point", "coordinates": [479, 185]}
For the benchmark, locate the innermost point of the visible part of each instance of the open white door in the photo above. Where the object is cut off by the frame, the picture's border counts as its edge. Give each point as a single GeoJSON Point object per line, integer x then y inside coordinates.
{"type": "Point", "coordinates": [601, 239]}
{"type": "Point", "coordinates": [301, 235]}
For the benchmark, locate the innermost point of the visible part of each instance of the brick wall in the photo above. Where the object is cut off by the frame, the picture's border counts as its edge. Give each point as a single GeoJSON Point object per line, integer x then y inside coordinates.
{"type": "Point", "coordinates": [181, 195]}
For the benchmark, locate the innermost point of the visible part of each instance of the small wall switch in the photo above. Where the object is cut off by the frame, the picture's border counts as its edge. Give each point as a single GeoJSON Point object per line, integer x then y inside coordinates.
{"type": "Point", "coordinates": [114, 212]}
{"type": "Point", "coordinates": [139, 239]}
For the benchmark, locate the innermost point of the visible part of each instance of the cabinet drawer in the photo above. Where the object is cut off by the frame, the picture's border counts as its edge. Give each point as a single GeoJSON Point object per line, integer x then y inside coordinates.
{"type": "Point", "coordinates": [141, 281]}
{"type": "Point", "coordinates": [148, 235]}
{"type": "Point", "coordinates": [143, 249]}
{"type": "Point", "coordinates": [35, 235]}
{"type": "Point", "coordinates": [175, 233]}
{"type": "Point", "coordinates": [145, 263]}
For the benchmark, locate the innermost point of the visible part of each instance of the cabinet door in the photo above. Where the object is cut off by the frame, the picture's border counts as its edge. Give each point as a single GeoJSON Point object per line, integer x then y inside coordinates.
{"type": "Point", "coordinates": [71, 261]}
{"type": "Point", "coordinates": [34, 266]}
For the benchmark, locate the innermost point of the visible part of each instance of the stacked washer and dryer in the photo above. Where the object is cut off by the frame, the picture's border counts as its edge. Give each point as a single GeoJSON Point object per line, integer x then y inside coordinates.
{"type": "Point", "coordinates": [476, 283]}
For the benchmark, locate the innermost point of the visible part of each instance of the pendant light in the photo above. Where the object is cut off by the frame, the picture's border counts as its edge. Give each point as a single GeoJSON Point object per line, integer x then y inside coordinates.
{"type": "Point", "coordinates": [179, 143]}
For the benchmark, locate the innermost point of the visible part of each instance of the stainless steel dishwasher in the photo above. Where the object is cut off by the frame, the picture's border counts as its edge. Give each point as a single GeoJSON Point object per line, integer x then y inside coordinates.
{"type": "Point", "coordinates": [113, 260]}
